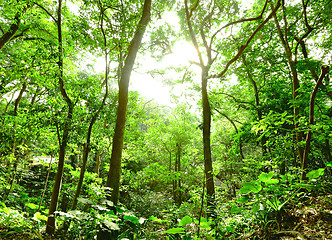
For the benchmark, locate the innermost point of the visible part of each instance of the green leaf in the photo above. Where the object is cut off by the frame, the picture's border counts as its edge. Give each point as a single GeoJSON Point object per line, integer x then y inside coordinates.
{"type": "Point", "coordinates": [153, 218]}
{"type": "Point", "coordinates": [131, 218]}
{"type": "Point", "coordinates": [185, 220]}
{"type": "Point", "coordinates": [110, 225]}
{"type": "Point", "coordinates": [272, 181]}
{"type": "Point", "coordinates": [329, 164]}
{"type": "Point", "coordinates": [242, 199]}
{"type": "Point", "coordinates": [175, 231]}
{"type": "Point", "coordinates": [254, 186]}
{"type": "Point", "coordinates": [84, 200]}
{"type": "Point", "coordinates": [236, 209]}
{"type": "Point", "coordinates": [264, 177]}
{"type": "Point", "coordinates": [204, 224]}
{"type": "Point", "coordinates": [32, 205]}
{"type": "Point", "coordinates": [255, 208]}
{"type": "Point", "coordinates": [315, 173]}
{"type": "Point", "coordinates": [38, 216]}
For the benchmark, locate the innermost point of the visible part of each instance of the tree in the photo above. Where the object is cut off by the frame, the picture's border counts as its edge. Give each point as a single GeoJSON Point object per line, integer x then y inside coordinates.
{"type": "Point", "coordinates": [208, 16]}
{"type": "Point", "coordinates": [113, 179]}
{"type": "Point", "coordinates": [63, 140]}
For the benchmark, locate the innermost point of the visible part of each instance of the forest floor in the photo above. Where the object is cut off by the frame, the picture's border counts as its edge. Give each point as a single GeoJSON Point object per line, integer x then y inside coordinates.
{"type": "Point", "coordinates": [309, 220]}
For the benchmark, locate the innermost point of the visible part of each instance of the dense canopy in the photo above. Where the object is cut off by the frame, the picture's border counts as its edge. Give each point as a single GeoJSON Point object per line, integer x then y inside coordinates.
{"type": "Point", "coordinates": [172, 119]}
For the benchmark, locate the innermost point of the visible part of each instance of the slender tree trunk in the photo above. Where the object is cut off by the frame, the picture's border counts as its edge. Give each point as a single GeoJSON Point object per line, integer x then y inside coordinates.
{"type": "Point", "coordinates": [236, 130]}
{"type": "Point", "coordinates": [113, 179]}
{"type": "Point", "coordinates": [86, 148]}
{"type": "Point", "coordinates": [304, 165]}
{"type": "Point", "coordinates": [97, 163]}
{"type": "Point", "coordinates": [50, 225]}
{"type": "Point", "coordinates": [179, 171]}
{"type": "Point", "coordinates": [45, 186]}
{"type": "Point", "coordinates": [177, 181]}
{"type": "Point", "coordinates": [295, 85]}
{"type": "Point", "coordinates": [210, 192]}
{"type": "Point", "coordinates": [13, 144]}
{"type": "Point", "coordinates": [257, 102]}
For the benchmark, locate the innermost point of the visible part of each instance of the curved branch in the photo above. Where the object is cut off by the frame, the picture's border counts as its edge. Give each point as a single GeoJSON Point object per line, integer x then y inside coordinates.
{"type": "Point", "coordinates": [47, 12]}
{"type": "Point", "coordinates": [243, 47]}
{"type": "Point", "coordinates": [239, 21]}
{"type": "Point", "coordinates": [193, 8]}
{"type": "Point", "coordinates": [12, 30]}
{"type": "Point", "coordinates": [235, 128]}
{"type": "Point", "coordinates": [237, 100]}
{"type": "Point", "coordinates": [192, 34]}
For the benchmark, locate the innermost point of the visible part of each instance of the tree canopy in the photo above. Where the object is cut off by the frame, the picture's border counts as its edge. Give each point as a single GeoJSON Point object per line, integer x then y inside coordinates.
{"type": "Point", "coordinates": [241, 151]}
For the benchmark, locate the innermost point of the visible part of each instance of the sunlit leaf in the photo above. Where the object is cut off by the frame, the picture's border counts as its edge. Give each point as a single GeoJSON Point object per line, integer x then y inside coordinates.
{"type": "Point", "coordinates": [185, 220]}
{"type": "Point", "coordinates": [175, 230]}
{"type": "Point", "coordinates": [272, 181]}
{"type": "Point", "coordinates": [32, 205]}
{"type": "Point", "coordinates": [254, 186]}
{"type": "Point", "coordinates": [329, 164]}
{"type": "Point", "coordinates": [264, 177]}
{"type": "Point", "coordinates": [38, 216]}
{"type": "Point", "coordinates": [315, 173]}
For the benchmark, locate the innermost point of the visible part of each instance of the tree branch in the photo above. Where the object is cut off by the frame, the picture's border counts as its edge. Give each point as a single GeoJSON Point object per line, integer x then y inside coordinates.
{"type": "Point", "coordinates": [239, 21]}
{"type": "Point", "coordinates": [47, 12]}
{"type": "Point", "coordinates": [236, 100]}
{"type": "Point", "coordinates": [243, 47]}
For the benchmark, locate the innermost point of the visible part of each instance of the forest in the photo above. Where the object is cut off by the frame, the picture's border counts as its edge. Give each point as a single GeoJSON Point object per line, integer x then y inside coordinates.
{"type": "Point", "coordinates": [171, 119]}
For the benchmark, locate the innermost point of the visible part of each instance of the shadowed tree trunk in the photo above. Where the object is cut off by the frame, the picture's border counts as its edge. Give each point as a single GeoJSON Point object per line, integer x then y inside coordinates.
{"type": "Point", "coordinates": [113, 179]}
{"type": "Point", "coordinates": [7, 36]}
{"type": "Point", "coordinates": [50, 225]}
{"type": "Point", "coordinates": [86, 147]}
{"type": "Point", "coordinates": [304, 164]}
{"type": "Point", "coordinates": [257, 103]}
{"type": "Point", "coordinates": [295, 83]}
{"type": "Point", "coordinates": [210, 192]}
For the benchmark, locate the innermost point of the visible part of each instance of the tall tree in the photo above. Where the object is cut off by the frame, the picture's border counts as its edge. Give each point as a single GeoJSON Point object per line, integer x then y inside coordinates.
{"type": "Point", "coordinates": [208, 16]}
{"type": "Point", "coordinates": [63, 140]}
{"type": "Point", "coordinates": [113, 179]}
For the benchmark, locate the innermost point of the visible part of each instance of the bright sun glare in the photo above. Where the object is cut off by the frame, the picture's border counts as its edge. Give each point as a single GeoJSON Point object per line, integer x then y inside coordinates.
{"type": "Point", "coordinates": [153, 88]}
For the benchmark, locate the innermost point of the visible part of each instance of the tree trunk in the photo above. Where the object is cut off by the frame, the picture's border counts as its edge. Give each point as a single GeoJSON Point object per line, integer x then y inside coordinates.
{"type": "Point", "coordinates": [207, 145]}
{"type": "Point", "coordinates": [113, 179]}
{"type": "Point", "coordinates": [177, 181]}
{"type": "Point", "coordinates": [257, 103]}
{"type": "Point", "coordinates": [6, 37]}
{"type": "Point", "coordinates": [97, 163]}
{"type": "Point", "coordinates": [295, 84]}
{"type": "Point", "coordinates": [50, 225]}
{"type": "Point", "coordinates": [304, 164]}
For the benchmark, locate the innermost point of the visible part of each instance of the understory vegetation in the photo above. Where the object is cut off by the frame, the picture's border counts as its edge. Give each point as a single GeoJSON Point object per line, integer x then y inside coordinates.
{"type": "Point", "coordinates": [241, 149]}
